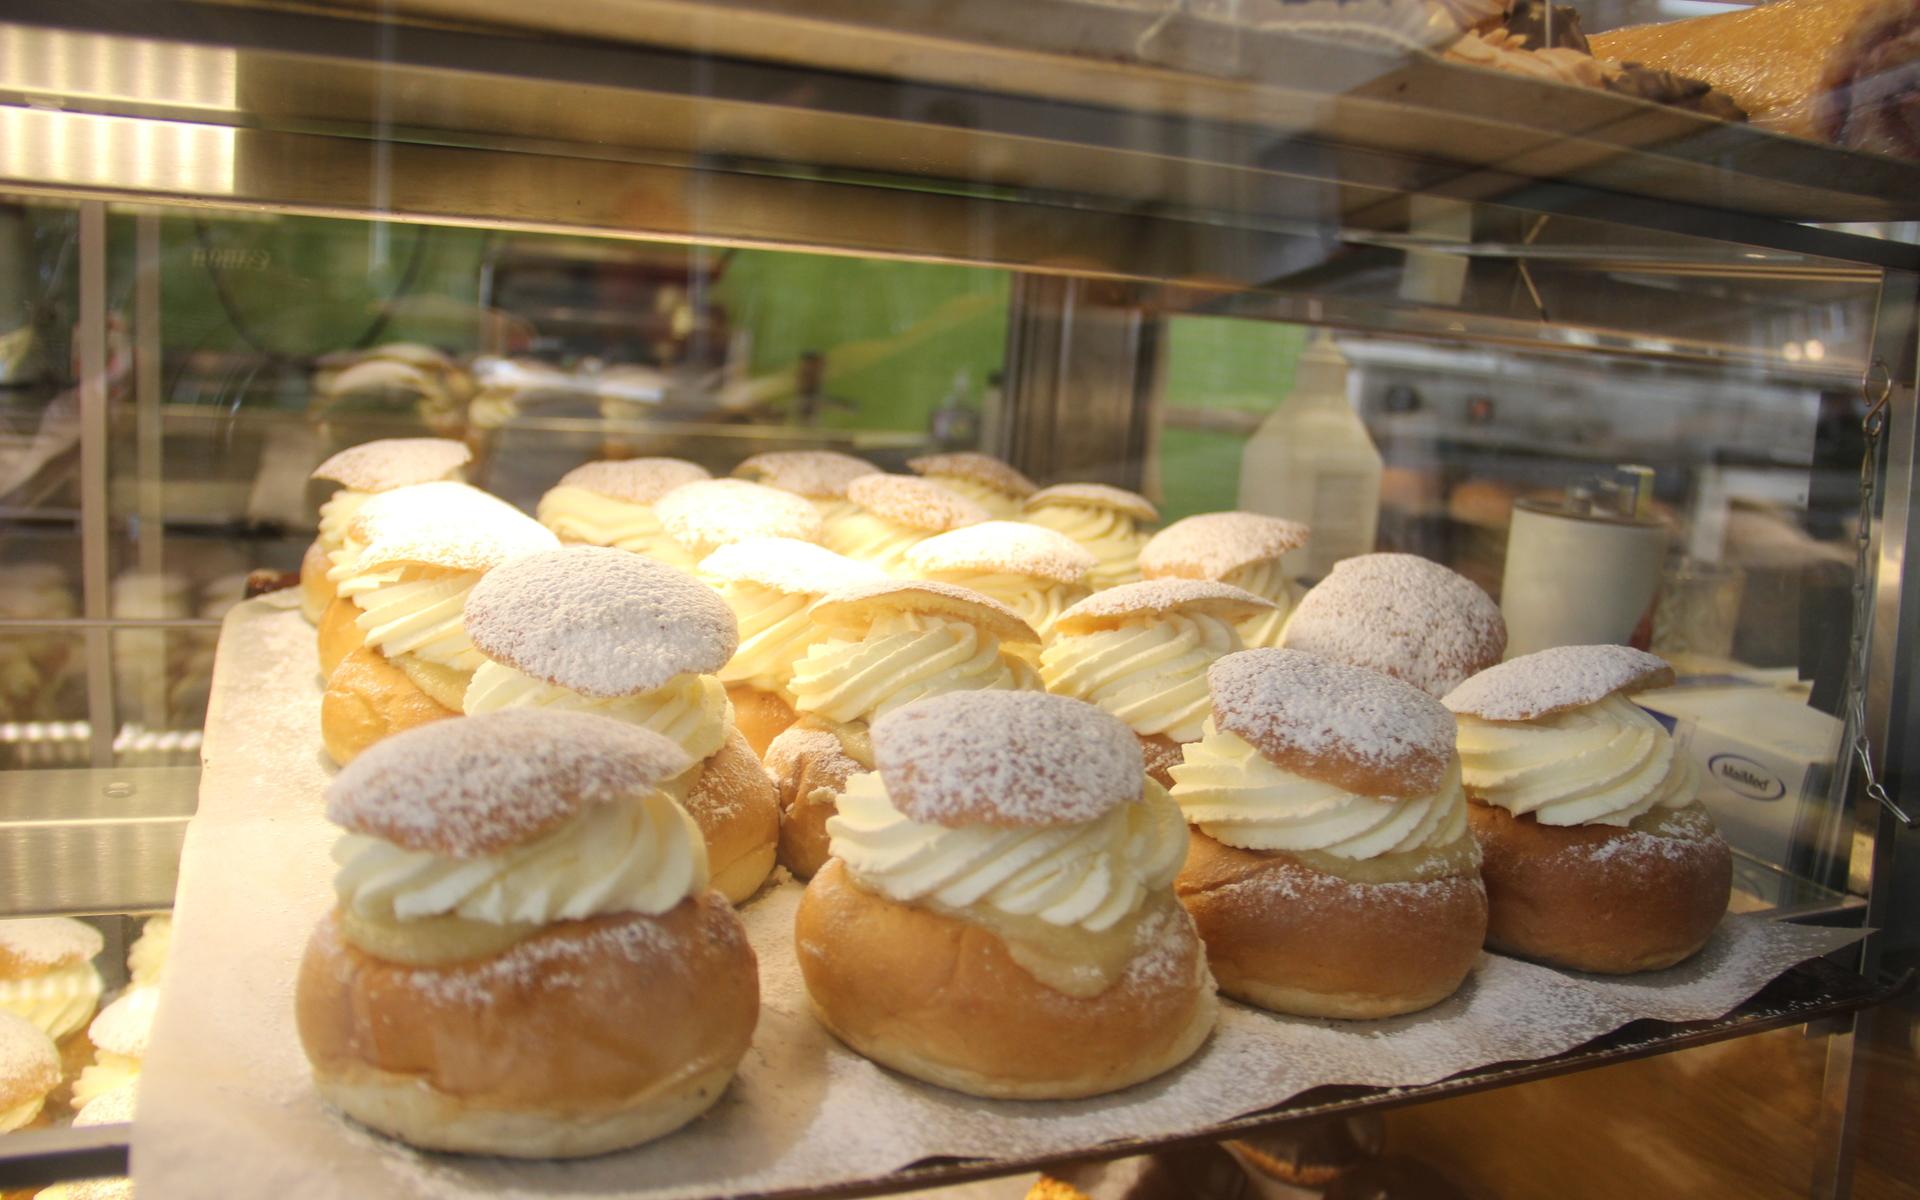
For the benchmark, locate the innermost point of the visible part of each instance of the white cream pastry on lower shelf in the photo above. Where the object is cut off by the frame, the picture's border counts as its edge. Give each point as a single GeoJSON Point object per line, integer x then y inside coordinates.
{"type": "Point", "coordinates": [29, 1071]}
{"type": "Point", "coordinates": [1036, 572]}
{"type": "Point", "coordinates": [1239, 548]}
{"type": "Point", "coordinates": [821, 476]}
{"type": "Point", "coordinates": [47, 974]}
{"type": "Point", "coordinates": [1400, 615]}
{"type": "Point", "coordinates": [611, 504]}
{"type": "Point", "coordinates": [998, 915]}
{"type": "Point", "coordinates": [114, 1108]}
{"type": "Point", "coordinates": [987, 481]}
{"type": "Point", "coordinates": [119, 1035]}
{"type": "Point", "coordinates": [891, 514]}
{"type": "Point", "coordinates": [702, 517]}
{"type": "Point", "coordinates": [362, 472]}
{"type": "Point", "coordinates": [1106, 520]}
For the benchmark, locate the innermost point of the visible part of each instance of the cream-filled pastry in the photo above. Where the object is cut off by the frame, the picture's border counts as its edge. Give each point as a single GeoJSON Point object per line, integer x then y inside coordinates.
{"type": "Point", "coordinates": [770, 583]}
{"type": "Point", "coordinates": [1141, 652]}
{"type": "Point", "coordinates": [1599, 855]}
{"type": "Point", "coordinates": [891, 514]}
{"type": "Point", "coordinates": [998, 916]}
{"type": "Point", "coordinates": [1400, 615]}
{"type": "Point", "coordinates": [119, 1035]}
{"type": "Point", "coordinates": [702, 517]}
{"type": "Point", "coordinates": [1106, 520]}
{"type": "Point", "coordinates": [1036, 572]}
{"type": "Point", "coordinates": [981, 478]}
{"type": "Point", "coordinates": [47, 974]}
{"type": "Point", "coordinates": [821, 476]}
{"type": "Point", "coordinates": [611, 504]}
{"type": "Point", "coordinates": [115, 1108]}
{"type": "Point", "coordinates": [1332, 873]}
{"type": "Point", "coordinates": [29, 1070]}
{"type": "Point", "coordinates": [598, 630]}
{"type": "Point", "coordinates": [364, 471]}
{"type": "Point", "coordinates": [1240, 548]}
{"type": "Point", "coordinates": [394, 642]}
{"type": "Point", "coordinates": [882, 645]}
{"type": "Point", "coordinates": [147, 957]}
{"type": "Point", "coordinates": [525, 957]}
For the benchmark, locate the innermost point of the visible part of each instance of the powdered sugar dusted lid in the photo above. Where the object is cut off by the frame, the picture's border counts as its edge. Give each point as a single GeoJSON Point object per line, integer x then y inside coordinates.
{"type": "Point", "coordinates": [815, 473]}
{"type": "Point", "coordinates": [29, 1063]}
{"type": "Point", "coordinates": [915, 503]}
{"type": "Point", "coordinates": [714, 512]}
{"type": "Point", "coordinates": [635, 480]}
{"type": "Point", "coordinates": [981, 468]}
{"type": "Point", "coordinates": [110, 1108]}
{"type": "Point", "coordinates": [1551, 681]}
{"type": "Point", "coordinates": [390, 463]}
{"type": "Point", "coordinates": [1004, 546]}
{"type": "Point", "coordinates": [1006, 759]}
{"type": "Point", "coordinates": [126, 1025]}
{"type": "Point", "coordinates": [1210, 545]}
{"type": "Point", "coordinates": [599, 622]}
{"type": "Point", "coordinates": [1401, 615]}
{"type": "Point", "coordinates": [447, 525]}
{"type": "Point", "coordinates": [823, 751]}
{"type": "Point", "coordinates": [865, 601]}
{"type": "Point", "coordinates": [787, 565]}
{"type": "Point", "coordinates": [473, 786]}
{"type": "Point", "coordinates": [1356, 729]}
{"type": "Point", "coordinates": [36, 945]}
{"type": "Point", "coordinates": [1158, 598]}
{"type": "Point", "coordinates": [1096, 495]}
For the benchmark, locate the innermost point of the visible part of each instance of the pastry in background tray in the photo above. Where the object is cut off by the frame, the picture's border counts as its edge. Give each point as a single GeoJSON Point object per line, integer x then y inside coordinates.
{"type": "Point", "coordinates": [1332, 873]}
{"type": "Point", "coordinates": [892, 513]}
{"type": "Point", "coordinates": [34, 665]}
{"type": "Point", "coordinates": [592, 629]}
{"type": "Point", "coordinates": [1141, 652]}
{"type": "Point", "coordinates": [706, 515]}
{"type": "Point", "coordinates": [998, 916]}
{"type": "Point", "coordinates": [393, 642]}
{"type": "Point", "coordinates": [881, 645]}
{"type": "Point", "coordinates": [421, 378]}
{"type": "Point", "coordinates": [1106, 520]}
{"type": "Point", "coordinates": [770, 583]}
{"type": "Point", "coordinates": [981, 478]}
{"type": "Point", "coordinates": [1238, 548]}
{"type": "Point", "coordinates": [611, 504]}
{"type": "Point", "coordinates": [525, 958]}
{"type": "Point", "coordinates": [114, 1108]}
{"type": "Point", "coordinates": [821, 476]}
{"type": "Point", "coordinates": [1599, 856]}
{"type": "Point", "coordinates": [1401, 615]}
{"type": "Point", "coordinates": [119, 1035]}
{"type": "Point", "coordinates": [364, 471]}
{"type": "Point", "coordinates": [29, 1070]}
{"type": "Point", "coordinates": [47, 974]}
{"type": "Point", "coordinates": [1036, 572]}
{"type": "Point", "coordinates": [147, 957]}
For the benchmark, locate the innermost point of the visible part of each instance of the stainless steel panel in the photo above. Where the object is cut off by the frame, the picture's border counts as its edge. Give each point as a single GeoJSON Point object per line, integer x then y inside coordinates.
{"type": "Point", "coordinates": [92, 840]}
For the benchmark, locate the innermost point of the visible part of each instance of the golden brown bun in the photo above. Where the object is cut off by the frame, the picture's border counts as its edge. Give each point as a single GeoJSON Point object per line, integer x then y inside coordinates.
{"type": "Point", "coordinates": [1161, 754]}
{"type": "Point", "coordinates": [1599, 897]}
{"type": "Point", "coordinates": [808, 764]}
{"type": "Point", "coordinates": [316, 590]}
{"type": "Point", "coordinates": [339, 633]}
{"type": "Point", "coordinates": [368, 698]}
{"type": "Point", "coordinates": [732, 801]}
{"type": "Point", "coordinates": [1293, 939]}
{"type": "Point", "coordinates": [586, 1037]}
{"type": "Point", "coordinates": [761, 716]}
{"type": "Point", "coordinates": [941, 999]}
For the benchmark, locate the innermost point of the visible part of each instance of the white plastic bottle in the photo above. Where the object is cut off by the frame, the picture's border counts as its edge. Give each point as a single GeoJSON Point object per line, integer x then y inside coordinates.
{"type": "Point", "coordinates": [1312, 461]}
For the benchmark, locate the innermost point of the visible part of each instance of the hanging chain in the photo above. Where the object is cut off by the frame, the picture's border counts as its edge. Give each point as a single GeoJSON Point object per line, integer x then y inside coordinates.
{"type": "Point", "coordinates": [1877, 387]}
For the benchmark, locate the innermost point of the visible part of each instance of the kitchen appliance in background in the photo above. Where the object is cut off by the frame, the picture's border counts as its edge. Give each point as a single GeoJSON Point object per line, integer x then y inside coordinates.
{"type": "Point", "coordinates": [1583, 570]}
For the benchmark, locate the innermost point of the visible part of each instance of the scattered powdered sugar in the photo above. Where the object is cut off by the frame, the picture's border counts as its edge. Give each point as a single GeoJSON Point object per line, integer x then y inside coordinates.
{"type": "Point", "coordinates": [600, 622]}
{"type": "Point", "coordinates": [1402, 615]}
{"type": "Point", "coordinates": [447, 525]}
{"type": "Point", "coordinates": [1096, 495]}
{"type": "Point", "coordinates": [1211, 545]}
{"type": "Point", "coordinates": [1161, 597]}
{"type": "Point", "coordinates": [713, 512]}
{"type": "Point", "coordinates": [124, 1026]}
{"type": "Point", "coordinates": [540, 962]}
{"type": "Point", "coordinates": [1006, 759]}
{"type": "Point", "coordinates": [29, 1063]}
{"type": "Point", "coordinates": [1009, 546]}
{"type": "Point", "coordinates": [915, 503]}
{"type": "Point", "coordinates": [111, 1108]}
{"type": "Point", "coordinates": [635, 480]}
{"type": "Point", "coordinates": [815, 473]}
{"type": "Point", "coordinates": [473, 786]}
{"type": "Point", "coordinates": [34, 945]}
{"type": "Point", "coordinates": [927, 596]}
{"type": "Point", "coordinates": [1287, 704]}
{"type": "Point", "coordinates": [390, 463]}
{"type": "Point", "coordinates": [1550, 681]}
{"type": "Point", "coordinates": [787, 565]}
{"type": "Point", "coordinates": [981, 468]}
{"type": "Point", "coordinates": [1686, 834]}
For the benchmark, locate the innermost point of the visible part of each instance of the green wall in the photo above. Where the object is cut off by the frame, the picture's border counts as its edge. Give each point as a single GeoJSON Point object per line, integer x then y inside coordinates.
{"type": "Point", "coordinates": [1218, 363]}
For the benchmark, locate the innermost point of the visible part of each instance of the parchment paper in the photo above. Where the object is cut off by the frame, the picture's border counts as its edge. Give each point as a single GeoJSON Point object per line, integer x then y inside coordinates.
{"type": "Point", "coordinates": [227, 1110]}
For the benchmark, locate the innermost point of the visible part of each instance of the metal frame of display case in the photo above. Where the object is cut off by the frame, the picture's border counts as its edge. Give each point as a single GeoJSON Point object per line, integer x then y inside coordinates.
{"type": "Point", "coordinates": [1127, 165]}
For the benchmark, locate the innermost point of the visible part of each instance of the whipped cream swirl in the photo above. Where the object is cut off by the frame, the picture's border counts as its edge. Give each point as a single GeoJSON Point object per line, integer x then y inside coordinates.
{"type": "Point", "coordinates": [1152, 675]}
{"type": "Point", "coordinates": [1039, 602]}
{"type": "Point", "coordinates": [336, 514]}
{"type": "Point", "coordinates": [108, 1072]}
{"type": "Point", "coordinates": [643, 855]}
{"type": "Point", "coordinates": [58, 1001]}
{"type": "Point", "coordinates": [901, 658]}
{"type": "Point", "coordinates": [1002, 505]}
{"type": "Point", "coordinates": [775, 632]}
{"type": "Point", "coordinates": [1091, 875]}
{"type": "Point", "coordinates": [1112, 537]}
{"type": "Point", "coordinates": [1268, 581]}
{"type": "Point", "coordinates": [691, 711]}
{"type": "Point", "coordinates": [1238, 797]}
{"type": "Point", "coordinates": [414, 610]}
{"type": "Point", "coordinates": [871, 539]}
{"type": "Point", "coordinates": [1600, 764]}
{"type": "Point", "coordinates": [578, 515]}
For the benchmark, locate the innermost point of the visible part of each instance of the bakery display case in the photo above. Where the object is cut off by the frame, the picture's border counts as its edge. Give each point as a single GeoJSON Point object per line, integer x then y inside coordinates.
{"type": "Point", "coordinates": [1335, 350]}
